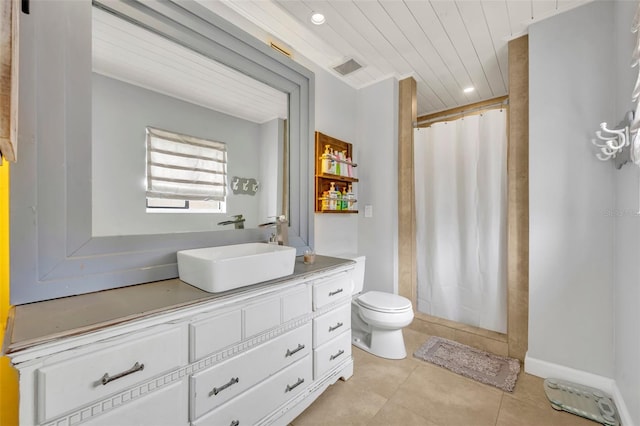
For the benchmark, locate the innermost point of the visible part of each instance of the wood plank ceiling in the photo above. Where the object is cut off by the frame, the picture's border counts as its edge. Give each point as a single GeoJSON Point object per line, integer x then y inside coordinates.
{"type": "Point", "coordinates": [132, 54]}
{"type": "Point", "coordinates": [445, 45]}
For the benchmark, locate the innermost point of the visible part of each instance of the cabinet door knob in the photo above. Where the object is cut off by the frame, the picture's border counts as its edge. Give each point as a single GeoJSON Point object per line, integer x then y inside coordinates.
{"type": "Point", "coordinates": [235, 423]}
{"type": "Point", "coordinates": [107, 378]}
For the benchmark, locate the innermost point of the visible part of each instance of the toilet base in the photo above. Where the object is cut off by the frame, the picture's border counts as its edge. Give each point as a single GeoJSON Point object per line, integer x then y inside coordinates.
{"type": "Point", "coordinates": [383, 343]}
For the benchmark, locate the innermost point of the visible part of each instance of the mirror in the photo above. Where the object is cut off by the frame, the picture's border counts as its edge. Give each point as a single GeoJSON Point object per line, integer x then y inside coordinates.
{"type": "Point", "coordinates": [143, 79]}
{"type": "Point", "coordinates": [54, 250]}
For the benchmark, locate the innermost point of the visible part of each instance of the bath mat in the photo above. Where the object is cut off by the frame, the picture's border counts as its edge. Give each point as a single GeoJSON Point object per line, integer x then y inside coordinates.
{"type": "Point", "coordinates": [499, 371]}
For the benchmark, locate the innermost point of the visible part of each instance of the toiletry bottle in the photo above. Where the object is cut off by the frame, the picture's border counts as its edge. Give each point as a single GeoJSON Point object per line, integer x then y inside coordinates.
{"type": "Point", "coordinates": [351, 198]}
{"type": "Point", "coordinates": [349, 167]}
{"type": "Point", "coordinates": [326, 160]}
{"type": "Point", "coordinates": [325, 200]}
{"type": "Point", "coordinates": [339, 199]}
{"type": "Point", "coordinates": [332, 162]}
{"type": "Point", "coordinates": [345, 200]}
{"type": "Point", "coordinates": [333, 197]}
{"type": "Point", "coordinates": [345, 167]}
{"type": "Point", "coordinates": [337, 163]}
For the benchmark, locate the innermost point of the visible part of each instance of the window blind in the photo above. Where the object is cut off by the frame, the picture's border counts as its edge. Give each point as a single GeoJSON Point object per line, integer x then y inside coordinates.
{"type": "Point", "coordinates": [185, 167]}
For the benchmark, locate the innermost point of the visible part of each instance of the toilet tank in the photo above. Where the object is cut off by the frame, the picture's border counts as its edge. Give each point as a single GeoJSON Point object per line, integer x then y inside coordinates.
{"type": "Point", "coordinates": [358, 272]}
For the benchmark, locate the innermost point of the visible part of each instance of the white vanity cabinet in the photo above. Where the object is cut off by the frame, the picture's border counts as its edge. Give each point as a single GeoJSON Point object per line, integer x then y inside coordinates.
{"type": "Point", "coordinates": [332, 327]}
{"type": "Point", "coordinates": [256, 356]}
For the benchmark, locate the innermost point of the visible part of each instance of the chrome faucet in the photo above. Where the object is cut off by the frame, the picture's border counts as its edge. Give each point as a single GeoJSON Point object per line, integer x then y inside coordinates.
{"type": "Point", "coordinates": [238, 222]}
{"type": "Point", "coordinates": [281, 236]}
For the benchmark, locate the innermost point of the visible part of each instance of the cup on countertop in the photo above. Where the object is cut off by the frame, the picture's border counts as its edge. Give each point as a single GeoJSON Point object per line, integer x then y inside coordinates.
{"type": "Point", "coordinates": [309, 257]}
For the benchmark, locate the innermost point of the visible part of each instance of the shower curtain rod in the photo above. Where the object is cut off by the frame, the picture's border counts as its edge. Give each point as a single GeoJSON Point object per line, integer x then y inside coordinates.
{"type": "Point", "coordinates": [476, 108]}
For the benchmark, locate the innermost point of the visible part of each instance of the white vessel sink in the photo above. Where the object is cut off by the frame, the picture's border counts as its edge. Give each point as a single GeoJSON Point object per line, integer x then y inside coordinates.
{"type": "Point", "coordinates": [216, 269]}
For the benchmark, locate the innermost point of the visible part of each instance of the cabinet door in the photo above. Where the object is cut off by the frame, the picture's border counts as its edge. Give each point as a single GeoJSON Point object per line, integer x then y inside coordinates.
{"type": "Point", "coordinates": [331, 354]}
{"type": "Point", "coordinates": [261, 316]}
{"type": "Point", "coordinates": [332, 289]}
{"type": "Point", "coordinates": [214, 333]}
{"type": "Point", "coordinates": [165, 407]}
{"type": "Point", "coordinates": [109, 367]}
{"type": "Point", "coordinates": [216, 385]}
{"type": "Point", "coordinates": [331, 324]}
{"type": "Point", "coordinates": [263, 399]}
{"type": "Point", "coordinates": [296, 303]}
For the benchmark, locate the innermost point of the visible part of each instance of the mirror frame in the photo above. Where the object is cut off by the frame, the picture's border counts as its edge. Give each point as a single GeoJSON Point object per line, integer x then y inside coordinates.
{"type": "Point", "coordinates": [53, 252]}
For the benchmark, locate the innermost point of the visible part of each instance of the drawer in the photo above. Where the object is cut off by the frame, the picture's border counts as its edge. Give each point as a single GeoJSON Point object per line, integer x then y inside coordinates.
{"type": "Point", "coordinates": [261, 316]}
{"type": "Point", "coordinates": [332, 289]}
{"type": "Point", "coordinates": [331, 354]}
{"type": "Point", "coordinates": [331, 324]}
{"type": "Point", "coordinates": [263, 399]}
{"type": "Point", "coordinates": [212, 334]}
{"type": "Point", "coordinates": [218, 384]}
{"type": "Point", "coordinates": [296, 303]}
{"type": "Point", "coordinates": [168, 406]}
{"type": "Point", "coordinates": [113, 365]}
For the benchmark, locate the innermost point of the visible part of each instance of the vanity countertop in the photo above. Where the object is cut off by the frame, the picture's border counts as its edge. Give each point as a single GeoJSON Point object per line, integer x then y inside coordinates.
{"type": "Point", "coordinates": [40, 322]}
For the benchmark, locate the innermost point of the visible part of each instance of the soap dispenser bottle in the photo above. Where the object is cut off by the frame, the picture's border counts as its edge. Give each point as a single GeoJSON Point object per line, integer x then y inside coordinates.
{"type": "Point", "coordinates": [333, 197]}
{"type": "Point", "coordinates": [332, 162]}
{"type": "Point", "coordinates": [351, 198]}
{"type": "Point", "coordinates": [345, 199]}
{"type": "Point", "coordinates": [326, 160]}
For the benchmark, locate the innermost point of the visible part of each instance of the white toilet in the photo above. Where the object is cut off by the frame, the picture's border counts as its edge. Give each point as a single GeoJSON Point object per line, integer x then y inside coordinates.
{"type": "Point", "coordinates": [377, 318]}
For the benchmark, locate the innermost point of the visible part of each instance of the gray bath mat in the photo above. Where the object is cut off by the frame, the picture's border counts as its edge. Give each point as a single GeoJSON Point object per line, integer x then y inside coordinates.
{"type": "Point", "coordinates": [499, 371]}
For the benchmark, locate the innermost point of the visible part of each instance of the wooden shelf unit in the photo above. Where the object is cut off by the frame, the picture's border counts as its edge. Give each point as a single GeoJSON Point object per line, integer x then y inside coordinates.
{"type": "Point", "coordinates": [323, 180]}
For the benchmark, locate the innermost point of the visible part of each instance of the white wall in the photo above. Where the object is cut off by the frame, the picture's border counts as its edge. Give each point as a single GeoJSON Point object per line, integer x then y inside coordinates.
{"type": "Point", "coordinates": [367, 118]}
{"type": "Point", "coordinates": [627, 231]}
{"type": "Point", "coordinates": [271, 151]}
{"type": "Point", "coordinates": [377, 157]}
{"type": "Point", "coordinates": [571, 237]}
{"type": "Point", "coordinates": [335, 234]}
{"type": "Point", "coordinates": [118, 155]}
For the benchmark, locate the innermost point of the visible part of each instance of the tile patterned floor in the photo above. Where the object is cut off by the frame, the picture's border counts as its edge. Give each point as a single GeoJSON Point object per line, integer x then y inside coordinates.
{"type": "Point", "coordinates": [413, 392]}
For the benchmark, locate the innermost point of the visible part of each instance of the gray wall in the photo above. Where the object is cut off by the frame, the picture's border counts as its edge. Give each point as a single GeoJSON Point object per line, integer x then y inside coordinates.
{"type": "Point", "coordinates": [120, 114]}
{"type": "Point", "coordinates": [377, 152]}
{"type": "Point", "coordinates": [367, 118]}
{"type": "Point", "coordinates": [571, 237]}
{"type": "Point", "coordinates": [626, 276]}
{"type": "Point", "coordinates": [336, 234]}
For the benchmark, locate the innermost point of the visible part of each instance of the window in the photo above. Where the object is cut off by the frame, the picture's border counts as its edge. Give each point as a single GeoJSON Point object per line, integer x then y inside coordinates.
{"type": "Point", "coordinates": [185, 173]}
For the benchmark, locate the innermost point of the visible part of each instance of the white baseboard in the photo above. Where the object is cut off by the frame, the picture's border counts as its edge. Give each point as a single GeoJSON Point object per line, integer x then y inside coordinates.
{"type": "Point", "coordinates": [623, 411]}
{"type": "Point", "coordinates": [547, 369]}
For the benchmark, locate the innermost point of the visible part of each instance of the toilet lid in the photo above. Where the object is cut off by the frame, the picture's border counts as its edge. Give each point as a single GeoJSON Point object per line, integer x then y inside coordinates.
{"type": "Point", "coordinates": [384, 302]}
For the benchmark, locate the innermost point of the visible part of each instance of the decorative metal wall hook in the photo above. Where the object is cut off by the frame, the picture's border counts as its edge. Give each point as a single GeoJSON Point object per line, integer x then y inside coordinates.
{"type": "Point", "coordinates": [614, 141]}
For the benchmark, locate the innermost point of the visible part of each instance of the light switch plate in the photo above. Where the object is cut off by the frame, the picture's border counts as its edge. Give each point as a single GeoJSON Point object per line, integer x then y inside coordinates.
{"type": "Point", "coordinates": [368, 211]}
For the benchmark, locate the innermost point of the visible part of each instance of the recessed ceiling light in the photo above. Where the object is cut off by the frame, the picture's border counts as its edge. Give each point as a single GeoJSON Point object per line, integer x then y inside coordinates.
{"type": "Point", "coordinates": [468, 89]}
{"type": "Point", "coordinates": [317, 18]}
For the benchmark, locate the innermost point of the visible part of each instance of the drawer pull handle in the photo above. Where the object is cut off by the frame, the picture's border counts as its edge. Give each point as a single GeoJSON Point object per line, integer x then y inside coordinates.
{"type": "Point", "coordinates": [216, 391]}
{"type": "Point", "coordinates": [332, 357]}
{"type": "Point", "coordinates": [235, 423]}
{"type": "Point", "coordinates": [333, 293]}
{"type": "Point", "coordinates": [335, 327]}
{"type": "Point", "coordinates": [106, 378]}
{"type": "Point", "coordinates": [295, 385]}
{"type": "Point", "coordinates": [291, 352]}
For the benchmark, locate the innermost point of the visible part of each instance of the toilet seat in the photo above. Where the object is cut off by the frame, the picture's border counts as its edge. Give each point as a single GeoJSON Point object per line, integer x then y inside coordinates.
{"type": "Point", "coordinates": [384, 302]}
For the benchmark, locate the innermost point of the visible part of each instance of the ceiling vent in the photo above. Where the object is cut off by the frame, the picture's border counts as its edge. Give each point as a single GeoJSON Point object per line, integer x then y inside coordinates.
{"type": "Point", "coordinates": [347, 67]}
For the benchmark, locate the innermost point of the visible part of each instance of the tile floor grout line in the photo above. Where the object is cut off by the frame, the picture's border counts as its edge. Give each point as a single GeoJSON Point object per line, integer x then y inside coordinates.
{"type": "Point", "coordinates": [499, 409]}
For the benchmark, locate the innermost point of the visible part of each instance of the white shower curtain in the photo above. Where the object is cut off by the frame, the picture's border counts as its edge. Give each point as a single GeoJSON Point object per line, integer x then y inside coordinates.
{"type": "Point", "coordinates": [461, 226]}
